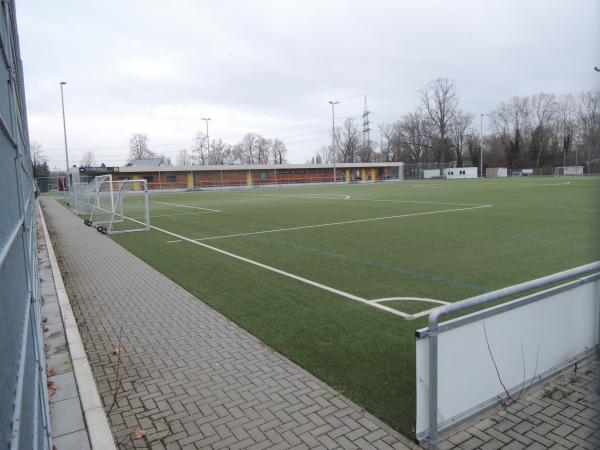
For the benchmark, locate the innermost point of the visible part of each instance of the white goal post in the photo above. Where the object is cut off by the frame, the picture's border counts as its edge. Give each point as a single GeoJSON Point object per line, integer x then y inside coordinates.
{"type": "Point", "coordinates": [568, 171]}
{"type": "Point", "coordinates": [111, 206]}
{"type": "Point", "coordinates": [120, 206]}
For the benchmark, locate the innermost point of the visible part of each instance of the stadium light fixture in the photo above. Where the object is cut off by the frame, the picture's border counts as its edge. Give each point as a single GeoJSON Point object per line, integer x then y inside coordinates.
{"type": "Point", "coordinates": [481, 144]}
{"type": "Point", "coordinates": [206, 119]}
{"type": "Point", "coordinates": [62, 99]}
{"type": "Point", "coordinates": [333, 139]}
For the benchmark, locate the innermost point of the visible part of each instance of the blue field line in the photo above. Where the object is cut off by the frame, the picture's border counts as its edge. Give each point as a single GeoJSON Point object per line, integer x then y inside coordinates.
{"type": "Point", "coordinates": [380, 265]}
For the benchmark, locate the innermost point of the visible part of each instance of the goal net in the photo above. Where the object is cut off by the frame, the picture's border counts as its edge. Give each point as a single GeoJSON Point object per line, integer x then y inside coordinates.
{"type": "Point", "coordinates": [120, 207]}
{"type": "Point", "coordinates": [81, 197]}
{"type": "Point", "coordinates": [568, 170]}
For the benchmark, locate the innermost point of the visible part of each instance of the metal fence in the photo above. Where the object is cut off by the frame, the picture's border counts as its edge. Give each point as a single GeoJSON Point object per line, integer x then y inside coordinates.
{"type": "Point", "coordinates": [24, 419]}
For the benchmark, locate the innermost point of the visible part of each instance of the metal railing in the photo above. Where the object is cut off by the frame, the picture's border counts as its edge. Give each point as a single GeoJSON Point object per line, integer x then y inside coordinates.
{"type": "Point", "coordinates": [24, 415]}
{"type": "Point", "coordinates": [434, 328]}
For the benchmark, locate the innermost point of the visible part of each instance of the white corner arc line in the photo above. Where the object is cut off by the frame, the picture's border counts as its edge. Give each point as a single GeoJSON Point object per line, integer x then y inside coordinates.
{"type": "Point", "coordinates": [330, 224]}
{"type": "Point", "coordinates": [185, 206]}
{"type": "Point", "coordinates": [416, 299]}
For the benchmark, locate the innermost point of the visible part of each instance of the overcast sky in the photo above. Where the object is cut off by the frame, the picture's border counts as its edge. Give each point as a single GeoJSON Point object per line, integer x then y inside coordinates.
{"type": "Point", "coordinates": [271, 67]}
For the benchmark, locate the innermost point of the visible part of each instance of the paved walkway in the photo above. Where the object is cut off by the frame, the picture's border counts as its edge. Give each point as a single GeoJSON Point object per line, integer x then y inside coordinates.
{"type": "Point", "coordinates": [66, 415]}
{"type": "Point", "coordinates": [562, 413]}
{"type": "Point", "coordinates": [190, 378]}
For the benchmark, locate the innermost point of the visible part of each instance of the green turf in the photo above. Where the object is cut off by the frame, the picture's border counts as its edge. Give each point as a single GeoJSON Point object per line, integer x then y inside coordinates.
{"type": "Point", "coordinates": [535, 227]}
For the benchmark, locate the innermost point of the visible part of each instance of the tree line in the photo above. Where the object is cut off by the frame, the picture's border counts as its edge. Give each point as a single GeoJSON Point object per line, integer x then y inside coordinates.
{"type": "Point", "coordinates": [523, 132]}
{"type": "Point", "coordinates": [252, 149]}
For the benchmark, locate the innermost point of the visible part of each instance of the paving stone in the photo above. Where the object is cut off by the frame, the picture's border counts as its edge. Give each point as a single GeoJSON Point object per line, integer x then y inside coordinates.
{"type": "Point", "coordinates": [561, 413]}
{"type": "Point", "coordinates": [209, 382]}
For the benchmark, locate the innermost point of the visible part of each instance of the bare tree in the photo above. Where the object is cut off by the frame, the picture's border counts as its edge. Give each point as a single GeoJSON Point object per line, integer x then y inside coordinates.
{"type": "Point", "coordinates": [138, 147]}
{"type": "Point", "coordinates": [474, 148]}
{"type": "Point", "coordinates": [37, 154]}
{"type": "Point", "coordinates": [588, 117]}
{"type": "Point", "coordinates": [412, 138]}
{"type": "Point", "coordinates": [542, 113]}
{"type": "Point", "coordinates": [164, 159]}
{"type": "Point", "coordinates": [440, 102]}
{"type": "Point", "coordinates": [565, 128]}
{"type": "Point", "coordinates": [87, 159]}
{"type": "Point", "coordinates": [279, 151]}
{"type": "Point", "coordinates": [348, 141]}
{"type": "Point", "coordinates": [460, 129]}
{"type": "Point", "coordinates": [263, 149]}
{"type": "Point", "coordinates": [247, 148]}
{"type": "Point", "coordinates": [184, 157]}
{"type": "Point", "coordinates": [511, 120]}
{"type": "Point", "coordinates": [198, 149]}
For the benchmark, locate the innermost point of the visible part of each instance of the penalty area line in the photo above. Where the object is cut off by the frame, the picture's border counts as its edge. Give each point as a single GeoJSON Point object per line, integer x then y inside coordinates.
{"type": "Point", "coordinates": [185, 206]}
{"type": "Point", "coordinates": [330, 224]}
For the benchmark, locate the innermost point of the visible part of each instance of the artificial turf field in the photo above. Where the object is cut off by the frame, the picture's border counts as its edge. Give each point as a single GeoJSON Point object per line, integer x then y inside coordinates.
{"type": "Point", "coordinates": [299, 267]}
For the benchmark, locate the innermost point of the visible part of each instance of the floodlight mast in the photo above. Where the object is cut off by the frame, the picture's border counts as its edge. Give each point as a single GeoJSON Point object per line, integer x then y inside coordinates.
{"type": "Point", "coordinates": [62, 98]}
{"type": "Point", "coordinates": [207, 137]}
{"type": "Point", "coordinates": [333, 139]}
{"type": "Point", "coordinates": [481, 144]}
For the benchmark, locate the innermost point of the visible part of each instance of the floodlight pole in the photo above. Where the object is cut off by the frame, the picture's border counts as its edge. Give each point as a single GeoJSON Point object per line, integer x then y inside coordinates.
{"type": "Point", "coordinates": [333, 139]}
{"type": "Point", "coordinates": [481, 145]}
{"type": "Point", "coordinates": [207, 137]}
{"type": "Point", "coordinates": [62, 99]}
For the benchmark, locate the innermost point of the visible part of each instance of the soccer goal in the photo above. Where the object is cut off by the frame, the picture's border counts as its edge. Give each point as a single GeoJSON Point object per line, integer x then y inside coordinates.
{"type": "Point", "coordinates": [120, 207]}
{"type": "Point", "coordinates": [81, 197]}
{"type": "Point", "coordinates": [568, 170]}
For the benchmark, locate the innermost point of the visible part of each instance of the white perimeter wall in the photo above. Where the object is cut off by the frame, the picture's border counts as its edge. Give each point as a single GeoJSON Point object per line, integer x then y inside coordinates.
{"type": "Point", "coordinates": [431, 173]}
{"type": "Point", "coordinates": [561, 326]}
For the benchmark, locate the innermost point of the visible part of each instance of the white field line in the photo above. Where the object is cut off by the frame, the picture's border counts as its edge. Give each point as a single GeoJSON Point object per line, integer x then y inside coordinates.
{"type": "Point", "coordinates": [330, 224]}
{"type": "Point", "coordinates": [415, 299]}
{"type": "Point", "coordinates": [491, 186]}
{"type": "Point", "coordinates": [178, 214]}
{"type": "Point", "coordinates": [185, 206]}
{"type": "Point", "coordinates": [306, 196]}
{"type": "Point", "coordinates": [278, 271]}
{"type": "Point", "coordinates": [347, 197]}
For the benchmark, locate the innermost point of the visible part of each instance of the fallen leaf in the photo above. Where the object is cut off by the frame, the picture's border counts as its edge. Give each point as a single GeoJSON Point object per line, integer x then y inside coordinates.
{"type": "Point", "coordinates": [50, 372]}
{"type": "Point", "coordinates": [138, 433]}
{"type": "Point", "coordinates": [52, 388]}
{"type": "Point", "coordinates": [44, 319]}
{"type": "Point", "coordinates": [116, 350]}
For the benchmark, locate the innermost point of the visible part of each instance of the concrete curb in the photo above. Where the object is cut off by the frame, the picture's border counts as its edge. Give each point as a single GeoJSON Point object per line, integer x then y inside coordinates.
{"type": "Point", "coordinates": [97, 425]}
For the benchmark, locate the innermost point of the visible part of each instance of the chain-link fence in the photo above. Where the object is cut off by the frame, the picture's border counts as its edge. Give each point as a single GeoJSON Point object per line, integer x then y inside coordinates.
{"type": "Point", "coordinates": [24, 420]}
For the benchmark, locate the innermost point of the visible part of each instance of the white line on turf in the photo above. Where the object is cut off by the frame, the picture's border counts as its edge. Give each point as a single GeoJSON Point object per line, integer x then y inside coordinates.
{"type": "Point", "coordinates": [306, 196]}
{"type": "Point", "coordinates": [491, 186]}
{"type": "Point", "coordinates": [277, 230]}
{"type": "Point", "coordinates": [373, 303]}
{"type": "Point", "coordinates": [347, 197]}
{"type": "Point", "coordinates": [279, 271]}
{"type": "Point", "coordinates": [416, 299]}
{"type": "Point", "coordinates": [179, 214]}
{"type": "Point", "coordinates": [185, 206]}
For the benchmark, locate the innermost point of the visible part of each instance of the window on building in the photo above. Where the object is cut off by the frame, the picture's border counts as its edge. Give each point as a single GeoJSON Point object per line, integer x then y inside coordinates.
{"type": "Point", "coordinates": [263, 176]}
{"type": "Point", "coordinates": [171, 178]}
{"type": "Point", "coordinates": [149, 179]}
